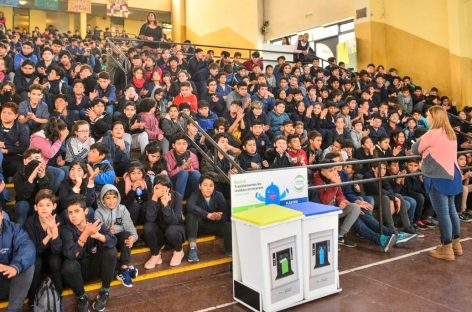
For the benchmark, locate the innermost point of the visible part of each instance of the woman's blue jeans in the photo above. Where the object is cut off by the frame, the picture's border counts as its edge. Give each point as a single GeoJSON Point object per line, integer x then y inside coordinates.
{"type": "Point", "coordinates": [445, 208]}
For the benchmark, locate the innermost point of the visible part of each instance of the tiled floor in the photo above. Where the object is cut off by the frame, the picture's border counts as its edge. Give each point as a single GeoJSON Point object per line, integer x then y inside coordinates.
{"type": "Point", "coordinates": [415, 283]}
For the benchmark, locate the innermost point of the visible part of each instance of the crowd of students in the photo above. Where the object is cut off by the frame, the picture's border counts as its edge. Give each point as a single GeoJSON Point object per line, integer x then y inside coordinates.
{"type": "Point", "coordinates": [91, 158]}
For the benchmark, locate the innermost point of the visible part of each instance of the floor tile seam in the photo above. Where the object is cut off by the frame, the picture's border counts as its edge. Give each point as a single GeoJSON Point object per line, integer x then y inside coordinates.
{"type": "Point", "coordinates": [410, 293]}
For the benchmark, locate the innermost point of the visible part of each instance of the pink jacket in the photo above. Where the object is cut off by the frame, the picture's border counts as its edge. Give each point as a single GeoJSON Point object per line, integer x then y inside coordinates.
{"type": "Point", "coordinates": [48, 150]}
{"type": "Point", "coordinates": [151, 125]}
{"type": "Point", "coordinates": [439, 154]}
{"type": "Point", "coordinates": [172, 168]}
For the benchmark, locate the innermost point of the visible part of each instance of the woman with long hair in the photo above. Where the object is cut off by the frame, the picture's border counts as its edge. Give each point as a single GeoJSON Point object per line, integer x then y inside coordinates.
{"type": "Point", "coordinates": [442, 179]}
{"type": "Point", "coordinates": [49, 140]}
{"type": "Point", "coordinates": [150, 31]}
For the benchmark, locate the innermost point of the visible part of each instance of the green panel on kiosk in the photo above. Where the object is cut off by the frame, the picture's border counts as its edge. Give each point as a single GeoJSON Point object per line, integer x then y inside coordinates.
{"type": "Point", "coordinates": [267, 215]}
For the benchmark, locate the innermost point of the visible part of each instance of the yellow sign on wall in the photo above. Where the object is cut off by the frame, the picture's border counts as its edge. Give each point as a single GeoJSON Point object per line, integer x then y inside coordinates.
{"type": "Point", "coordinates": [80, 6]}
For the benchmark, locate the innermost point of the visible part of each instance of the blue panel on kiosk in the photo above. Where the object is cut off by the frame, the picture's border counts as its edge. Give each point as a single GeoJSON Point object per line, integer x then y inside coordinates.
{"type": "Point", "coordinates": [312, 209]}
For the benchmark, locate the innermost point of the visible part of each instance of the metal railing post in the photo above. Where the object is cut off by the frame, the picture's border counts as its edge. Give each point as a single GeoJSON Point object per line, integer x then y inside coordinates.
{"type": "Point", "coordinates": [379, 175]}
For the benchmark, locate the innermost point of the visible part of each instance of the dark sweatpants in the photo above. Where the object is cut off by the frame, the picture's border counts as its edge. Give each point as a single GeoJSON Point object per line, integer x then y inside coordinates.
{"type": "Point", "coordinates": [101, 265]}
{"type": "Point", "coordinates": [157, 236]}
{"type": "Point", "coordinates": [197, 225]}
{"type": "Point", "coordinates": [51, 264]}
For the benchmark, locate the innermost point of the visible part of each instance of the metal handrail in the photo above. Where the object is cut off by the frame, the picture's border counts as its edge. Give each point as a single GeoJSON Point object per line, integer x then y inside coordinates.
{"type": "Point", "coordinates": [216, 148]}
{"type": "Point", "coordinates": [378, 179]}
{"type": "Point", "coordinates": [204, 154]}
{"type": "Point", "coordinates": [249, 50]}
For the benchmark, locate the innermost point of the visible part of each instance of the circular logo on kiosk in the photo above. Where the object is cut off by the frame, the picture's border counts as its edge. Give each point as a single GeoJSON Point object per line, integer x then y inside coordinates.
{"type": "Point", "coordinates": [299, 183]}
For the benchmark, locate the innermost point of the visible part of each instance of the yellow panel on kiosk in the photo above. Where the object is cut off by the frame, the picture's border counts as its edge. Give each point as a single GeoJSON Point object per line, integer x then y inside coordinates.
{"type": "Point", "coordinates": [267, 215]}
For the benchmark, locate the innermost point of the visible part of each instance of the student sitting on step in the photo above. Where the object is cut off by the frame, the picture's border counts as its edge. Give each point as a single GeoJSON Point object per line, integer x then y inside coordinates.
{"type": "Point", "coordinates": [182, 166]}
{"type": "Point", "coordinates": [207, 213]}
{"type": "Point", "coordinates": [164, 224]}
{"type": "Point", "coordinates": [43, 229]}
{"type": "Point", "coordinates": [28, 181]}
{"type": "Point", "coordinates": [135, 189]}
{"type": "Point", "coordinates": [117, 219]}
{"type": "Point", "coordinates": [89, 249]}
{"type": "Point", "coordinates": [16, 263]}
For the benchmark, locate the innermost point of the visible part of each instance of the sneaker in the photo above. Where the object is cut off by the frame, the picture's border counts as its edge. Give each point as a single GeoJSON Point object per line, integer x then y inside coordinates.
{"type": "Point", "coordinates": [429, 223]}
{"type": "Point", "coordinates": [386, 242]}
{"type": "Point", "coordinates": [420, 226]}
{"type": "Point", "coordinates": [177, 258]}
{"type": "Point", "coordinates": [133, 272]}
{"type": "Point", "coordinates": [125, 278]}
{"type": "Point", "coordinates": [360, 236]}
{"type": "Point", "coordinates": [419, 234]}
{"type": "Point", "coordinates": [346, 242]}
{"type": "Point", "coordinates": [403, 237]}
{"type": "Point", "coordinates": [433, 221]}
{"type": "Point", "coordinates": [100, 301]}
{"type": "Point", "coordinates": [464, 217]}
{"type": "Point", "coordinates": [193, 255]}
{"type": "Point", "coordinates": [152, 262]}
{"type": "Point", "coordinates": [82, 304]}
{"type": "Point", "coordinates": [412, 230]}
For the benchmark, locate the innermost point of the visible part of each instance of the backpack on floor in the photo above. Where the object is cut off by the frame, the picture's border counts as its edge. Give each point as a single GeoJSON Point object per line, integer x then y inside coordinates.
{"type": "Point", "coordinates": [47, 298]}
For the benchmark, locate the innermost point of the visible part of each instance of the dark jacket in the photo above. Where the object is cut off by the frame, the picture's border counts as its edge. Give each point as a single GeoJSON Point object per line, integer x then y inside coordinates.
{"type": "Point", "coordinates": [277, 161]}
{"type": "Point", "coordinates": [413, 185]}
{"type": "Point", "coordinates": [109, 93]}
{"type": "Point", "coordinates": [116, 155]}
{"type": "Point", "coordinates": [372, 188]}
{"type": "Point", "coordinates": [70, 247]}
{"type": "Point", "coordinates": [22, 83]}
{"type": "Point", "coordinates": [65, 191]}
{"type": "Point", "coordinates": [165, 216]}
{"type": "Point", "coordinates": [100, 126]}
{"type": "Point", "coordinates": [84, 103]}
{"type": "Point", "coordinates": [17, 248]}
{"type": "Point", "coordinates": [16, 139]}
{"type": "Point", "coordinates": [198, 206]}
{"type": "Point", "coordinates": [37, 234]}
{"type": "Point", "coordinates": [128, 122]}
{"type": "Point", "coordinates": [128, 199]}
{"type": "Point", "coordinates": [25, 190]}
{"type": "Point", "coordinates": [245, 159]}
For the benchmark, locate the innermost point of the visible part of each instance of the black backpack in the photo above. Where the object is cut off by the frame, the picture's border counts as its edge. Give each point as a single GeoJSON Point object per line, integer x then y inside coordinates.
{"type": "Point", "coordinates": [47, 298]}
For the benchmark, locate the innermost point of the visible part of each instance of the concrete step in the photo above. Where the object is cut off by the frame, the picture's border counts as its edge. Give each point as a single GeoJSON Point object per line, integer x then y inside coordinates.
{"type": "Point", "coordinates": [212, 261]}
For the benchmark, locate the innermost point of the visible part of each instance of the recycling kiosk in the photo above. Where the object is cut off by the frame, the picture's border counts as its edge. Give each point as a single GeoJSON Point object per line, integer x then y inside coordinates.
{"type": "Point", "coordinates": [320, 249]}
{"type": "Point", "coordinates": [269, 257]}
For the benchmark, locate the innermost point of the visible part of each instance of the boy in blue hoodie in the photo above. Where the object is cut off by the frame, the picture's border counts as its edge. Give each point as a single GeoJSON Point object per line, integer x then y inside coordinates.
{"type": "Point", "coordinates": [106, 91]}
{"type": "Point", "coordinates": [97, 158]}
{"type": "Point", "coordinates": [117, 219]}
{"type": "Point", "coordinates": [205, 116]}
{"type": "Point", "coordinates": [277, 118]}
{"type": "Point", "coordinates": [26, 54]}
{"type": "Point", "coordinates": [16, 263]}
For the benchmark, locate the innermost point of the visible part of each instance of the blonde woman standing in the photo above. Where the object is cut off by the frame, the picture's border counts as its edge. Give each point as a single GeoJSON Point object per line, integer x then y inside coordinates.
{"type": "Point", "coordinates": [442, 179]}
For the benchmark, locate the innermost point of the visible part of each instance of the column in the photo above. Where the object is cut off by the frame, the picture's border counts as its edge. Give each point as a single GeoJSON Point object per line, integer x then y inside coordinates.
{"type": "Point", "coordinates": [178, 20]}
{"type": "Point", "coordinates": [83, 24]}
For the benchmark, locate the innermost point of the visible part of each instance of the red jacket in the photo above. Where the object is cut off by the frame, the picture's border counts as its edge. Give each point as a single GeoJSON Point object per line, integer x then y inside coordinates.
{"type": "Point", "coordinates": [294, 155]}
{"type": "Point", "coordinates": [327, 195]}
{"type": "Point", "coordinates": [192, 100]}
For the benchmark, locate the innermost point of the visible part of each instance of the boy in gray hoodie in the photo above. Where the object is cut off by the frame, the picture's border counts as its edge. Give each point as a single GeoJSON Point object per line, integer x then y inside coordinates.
{"type": "Point", "coordinates": [117, 219]}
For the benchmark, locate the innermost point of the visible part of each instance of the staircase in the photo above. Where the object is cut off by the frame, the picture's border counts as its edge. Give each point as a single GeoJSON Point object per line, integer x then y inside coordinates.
{"type": "Point", "coordinates": [212, 261]}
